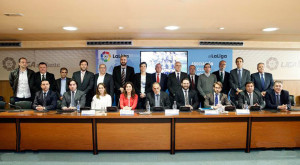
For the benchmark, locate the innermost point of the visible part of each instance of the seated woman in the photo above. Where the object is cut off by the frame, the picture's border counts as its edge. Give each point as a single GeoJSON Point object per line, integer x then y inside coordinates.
{"type": "Point", "coordinates": [128, 99]}
{"type": "Point", "coordinates": [101, 100]}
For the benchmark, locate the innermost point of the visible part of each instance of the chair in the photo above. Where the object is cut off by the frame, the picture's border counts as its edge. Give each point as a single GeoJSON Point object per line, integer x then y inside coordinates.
{"type": "Point", "coordinates": [12, 100]}
{"type": "Point", "coordinates": [1, 98]}
{"type": "Point", "coordinates": [2, 104]}
{"type": "Point", "coordinates": [24, 104]}
{"type": "Point", "coordinates": [292, 99]}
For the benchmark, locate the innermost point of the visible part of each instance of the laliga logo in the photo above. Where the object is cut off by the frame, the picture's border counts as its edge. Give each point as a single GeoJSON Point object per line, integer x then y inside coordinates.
{"type": "Point", "coordinates": [9, 64]}
{"type": "Point", "coordinates": [105, 56]}
{"type": "Point", "coordinates": [272, 63]}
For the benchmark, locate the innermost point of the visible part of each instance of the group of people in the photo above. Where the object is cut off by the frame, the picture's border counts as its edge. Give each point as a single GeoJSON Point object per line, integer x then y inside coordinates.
{"type": "Point", "coordinates": [134, 90]}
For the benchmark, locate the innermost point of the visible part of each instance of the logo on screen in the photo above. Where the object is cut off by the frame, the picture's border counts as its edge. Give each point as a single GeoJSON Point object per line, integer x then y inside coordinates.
{"type": "Point", "coordinates": [272, 63]}
{"type": "Point", "coordinates": [105, 56]}
{"type": "Point", "coordinates": [9, 64]}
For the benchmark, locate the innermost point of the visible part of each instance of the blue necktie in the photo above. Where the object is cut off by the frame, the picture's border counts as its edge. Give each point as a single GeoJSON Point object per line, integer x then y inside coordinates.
{"type": "Point", "coordinates": [216, 100]}
{"type": "Point", "coordinates": [262, 82]}
{"type": "Point", "coordinates": [178, 78]}
{"type": "Point", "coordinates": [240, 78]}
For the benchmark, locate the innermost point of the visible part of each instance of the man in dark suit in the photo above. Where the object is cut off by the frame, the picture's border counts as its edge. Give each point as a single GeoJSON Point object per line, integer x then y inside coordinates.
{"type": "Point", "coordinates": [238, 79]}
{"type": "Point", "coordinates": [262, 81]}
{"type": "Point", "coordinates": [212, 100]}
{"type": "Point", "coordinates": [107, 79]}
{"type": "Point", "coordinates": [73, 97]}
{"type": "Point", "coordinates": [223, 77]}
{"type": "Point", "coordinates": [121, 74]}
{"type": "Point", "coordinates": [185, 96]}
{"type": "Point", "coordinates": [44, 75]}
{"type": "Point", "coordinates": [45, 99]}
{"type": "Point", "coordinates": [278, 98]}
{"type": "Point", "coordinates": [193, 77]}
{"type": "Point", "coordinates": [251, 96]}
{"type": "Point", "coordinates": [62, 83]}
{"type": "Point", "coordinates": [158, 98]}
{"type": "Point", "coordinates": [85, 81]}
{"type": "Point", "coordinates": [174, 80]}
{"type": "Point", "coordinates": [159, 77]}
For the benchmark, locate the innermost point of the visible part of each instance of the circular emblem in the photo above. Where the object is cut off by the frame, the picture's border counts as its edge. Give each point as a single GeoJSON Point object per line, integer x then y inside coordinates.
{"type": "Point", "coordinates": [9, 64]}
{"type": "Point", "coordinates": [272, 63]}
{"type": "Point", "coordinates": [105, 56]}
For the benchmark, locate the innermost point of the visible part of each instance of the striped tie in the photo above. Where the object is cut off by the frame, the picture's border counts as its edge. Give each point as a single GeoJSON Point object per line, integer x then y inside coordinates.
{"type": "Point", "coordinates": [123, 76]}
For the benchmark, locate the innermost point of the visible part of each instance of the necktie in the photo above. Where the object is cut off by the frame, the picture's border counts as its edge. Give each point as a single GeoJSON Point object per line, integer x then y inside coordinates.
{"type": "Point", "coordinates": [221, 77]}
{"type": "Point", "coordinates": [157, 101]}
{"type": "Point", "coordinates": [262, 82]}
{"type": "Point", "coordinates": [240, 78]}
{"type": "Point", "coordinates": [251, 98]}
{"type": "Point", "coordinates": [43, 77]}
{"type": "Point", "coordinates": [277, 100]}
{"type": "Point", "coordinates": [123, 76]}
{"type": "Point", "coordinates": [44, 99]}
{"type": "Point", "coordinates": [82, 75]}
{"type": "Point", "coordinates": [157, 78]}
{"type": "Point", "coordinates": [193, 83]}
{"type": "Point", "coordinates": [73, 99]}
{"type": "Point", "coordinates": [216, 100]}
{"type": "Point", "coordinates": [186, 98]}
{"type": "Point", "coordinates": [178, 78]}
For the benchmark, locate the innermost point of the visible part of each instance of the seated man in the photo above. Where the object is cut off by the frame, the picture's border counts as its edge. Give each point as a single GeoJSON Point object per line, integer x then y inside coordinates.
{"type": "Point", "coordinates": [45, 99]}
{"type": "Point", "coordinates": [250, 95]}
{"type": "Point", "coordinates": [215, 99]}
{"type": "Point", "coordinates": [73, 97]}
{"type": "Point", "coordinates": [185, 96]}
{"type": "Point", "coordinates": [158, 98]}
{"type": "Point", "coordinates": [278, 98]}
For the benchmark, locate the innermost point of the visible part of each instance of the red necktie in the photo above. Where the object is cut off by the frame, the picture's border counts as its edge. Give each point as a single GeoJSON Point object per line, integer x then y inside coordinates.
{"type": "Point", "coordinates": [157, 78]}
{"type": "Point", "coordinates": [193, 84]}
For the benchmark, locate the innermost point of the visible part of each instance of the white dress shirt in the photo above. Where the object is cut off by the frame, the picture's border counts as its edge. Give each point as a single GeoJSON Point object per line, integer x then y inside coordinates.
{"type": "Point", "coordinates": [103, 102]}
{"type": "Point", "coordinates": [23, 90]}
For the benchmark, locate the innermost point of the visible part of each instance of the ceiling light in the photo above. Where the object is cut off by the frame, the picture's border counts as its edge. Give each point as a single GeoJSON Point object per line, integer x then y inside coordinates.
{"type": "Point", "coordinates": [70, 28]}
{"type": "Point", "coordinates": [270, 29]}
{"type": "Point", "coordinates": [20, 29]}
{"type": "Point", "coordinates": [221, 28]}
{"type": "Point", "coordinates": [121, 27]}
{"type": "Point", "coordinates": [172, 27]}
{"type": "Point", "coordinates": [13, 14]}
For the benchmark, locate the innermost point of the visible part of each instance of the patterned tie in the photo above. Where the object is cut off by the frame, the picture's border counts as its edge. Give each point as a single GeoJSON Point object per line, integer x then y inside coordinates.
{"type": "Point", "coordinates": [240, 79]}
{"type": "Point", "coordinates": [157, 103]}
{"type": "Point", "coordinates": [43, 77]}
{"type": "Point", "coordinates": [157, 78]}
{"type": "Point", "coordinates": [193, 83]}
{"type": "Point", "coordinates": [44, 99]}
{"type": "Point", "coordinates": [73, 99]}
{"type": "Point", "coordinates": [221, 77]}
{"type": "Point", "coordinates": [262, 81]}
{"type": "Point", "coordinates": [123, 76]}
{"type": "Point", "coordinates": [186, 98]}
{"type": "Point", "coordinates": [216, 100]}
{"type": "Point", "coordinates": [178, 78]}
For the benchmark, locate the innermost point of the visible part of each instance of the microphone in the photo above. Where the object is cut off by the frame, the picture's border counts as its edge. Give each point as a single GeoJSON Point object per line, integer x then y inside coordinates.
{"type": "Point", "coordinates": [20, 108]}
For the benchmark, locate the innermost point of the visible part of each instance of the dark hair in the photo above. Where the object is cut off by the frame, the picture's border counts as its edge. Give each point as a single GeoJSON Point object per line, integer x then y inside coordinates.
{"type": "Point", "coordinates": [239, 58]}
{"type": "Point", "coordinates": [63, 68]}
{"type": "Point", "coordinates": [74, 81]}
{"type": "Point", "coordinates": [81, 61]}
{"type": "Point", "coordinates": [185, 79]}
{"type": "Point", "coordinates": [143, 63]}
{"type": "Point", "coordinates": [42, 63]}
{"type": "Point", "coordinates": [22, 58]}
{"type": "Point", "coordinates": [97, 90]}
{"type": "Point", "coordinates": [207, 64]}
{"type": "Point", "coordinates": [132, 92]}
{"type": "Point", "coordinates": [249, 82]}
{"type": "Point", "coordinates": [44, 80]}
{"type": "Point", "coordinates": [222, 61]}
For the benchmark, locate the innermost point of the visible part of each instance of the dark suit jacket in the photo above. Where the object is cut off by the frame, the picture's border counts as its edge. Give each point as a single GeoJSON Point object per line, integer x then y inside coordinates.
{"type": "Point", "coordinates": [225, 83]}
{"type": "Point", "coordinates": [38, 79]}
{"type": "Point", "coordinates": [173, 84]}
{"type": "Point", "coordinates": [117, 77]}
{"type": "Point", "coordinates": [58, 85]}
{"type": "Point", "coordinates": [87, 85]}
{"type": "Point", "coordinates": [269, 82]}
{"type": "Point", "coordinates": [257, 98]}
{"type": "Point", "coordinates": [193, 98]}
{"type": "Point", "coordinates": [210, 100]}
{"type": "Point", "coordinates": [137, 83]}
{"type": "Point", "coordinates": [163, 82]}
{"type": "Point", "coordinates": [51, 100]}
{"type": "Point", "coordinates": [79, 96]}
{"type": "Point", "coordinates": [108, 82]}
{"type": "Point", "coordinates": [14, 80]}
{"type": "Point", "coordinates": [271, 99]}
{"type": "Point", "coordinates": [234, 81]}
{"type": "Point", "coordinates": [195, 81]}
{"type": "Point", "coordinates": [164, 99]}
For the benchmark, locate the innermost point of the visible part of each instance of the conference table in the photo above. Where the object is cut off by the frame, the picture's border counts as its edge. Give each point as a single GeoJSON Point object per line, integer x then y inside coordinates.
{"type": "Point", "coordinates": [31, 130]}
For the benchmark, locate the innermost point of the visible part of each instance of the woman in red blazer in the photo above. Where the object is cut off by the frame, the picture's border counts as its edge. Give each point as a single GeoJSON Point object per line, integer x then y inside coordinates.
{"type": "Point", "coordinates": [128, 98]}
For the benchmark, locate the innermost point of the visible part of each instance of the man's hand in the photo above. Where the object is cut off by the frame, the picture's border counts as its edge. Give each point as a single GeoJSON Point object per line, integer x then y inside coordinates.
{"type": "Point", "coordinates": [39, 108]}
{"type": "Point", "coordinates": [122, 90]}
{"type": "Point", "coordinates": [263, 93]}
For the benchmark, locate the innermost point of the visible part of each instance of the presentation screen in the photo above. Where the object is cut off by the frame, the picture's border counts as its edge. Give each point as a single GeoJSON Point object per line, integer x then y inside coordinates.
{"type": "Point", "coordinates": [167, 60]}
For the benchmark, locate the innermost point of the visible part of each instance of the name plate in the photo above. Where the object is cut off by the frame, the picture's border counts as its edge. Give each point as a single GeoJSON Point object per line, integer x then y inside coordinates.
{"type": "Point", "coordinates": [171, 112]}
{"type": "Point", "coordinates": [126, 112]}
{"type": "Point", "coordinates": [88, 112]}
{"type": "Point", "coordinates": [211, 112]}
{"type": "Point", "coordinates": [242, 111]}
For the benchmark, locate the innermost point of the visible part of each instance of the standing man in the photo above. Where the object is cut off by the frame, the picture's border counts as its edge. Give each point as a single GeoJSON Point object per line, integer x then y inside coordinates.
{"type": "Point", "coordinates": [106, 79]}
{"type": "Point", "coordinates": [174, 80]}
{"type": "Point", "coordinates": [252, 96]}
{"type": "Point", "coordinates": [193, 77]}
{"type": "Point", "coordinates": [262, 81]}
{"type": "Point", "coordinates": [45, 99]}
{"type": "Point", "coordinates": [21, 81]}
{"type": "Point", "coordinates": [44, 75]}
{"type": "Point", "coordinates": [238, 79]}
{"type": "Point", "coordinates": [212, 100]}
{"type": "Point", "coordinates": [85, 81]}
{"type": "Point", "coordinates": [158, 98]}
{"type": "Point", "coordinates": [185, 96]}
{"type": "Point", "coordinates": [278, 98]}
{"type": "Point", "coordinates": [223, 77]}
{"type": "Point", "coordinates": [121, 74]}
{"type": "Point", "coordinates": [62, 83]}
{"type": "Point", "coordinates": [159, 77]}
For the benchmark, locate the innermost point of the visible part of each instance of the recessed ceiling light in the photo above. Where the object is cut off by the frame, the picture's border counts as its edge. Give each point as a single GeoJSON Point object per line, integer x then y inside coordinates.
{"type": "Point", "coordinates": [70, 28]}
{"type": "Point", "coordinates": [20, 29]}
{"type": "Point", "coordinates": [270, 29]}
{"type": "Point", "coordinates": [121, 27]}
{"type": "Point", "coordinates": [172, 27]}
{"type": "Point", "coordinates": [221, 28]}
{"type": "Point", "coordinates": [13, 14]}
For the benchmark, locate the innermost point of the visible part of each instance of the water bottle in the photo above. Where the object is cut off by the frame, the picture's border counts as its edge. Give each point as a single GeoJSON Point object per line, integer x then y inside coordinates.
{"type": "Point", "coordinates": [78, 107]}
{"type": "Point", "coordinates": [245, 105]}
{"type": "Point", "coordinates": [148, 106]}
{"type": "Point", "coordinates": [174, 105]}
